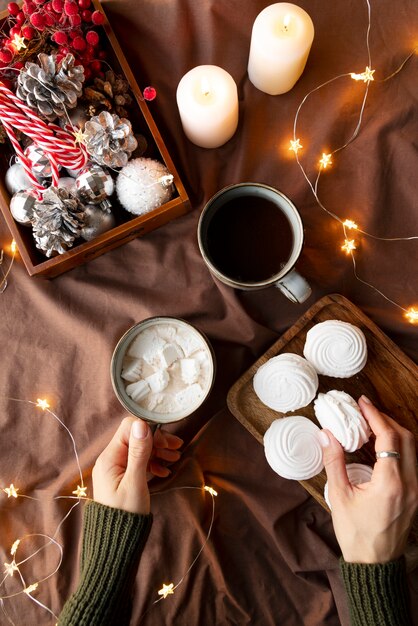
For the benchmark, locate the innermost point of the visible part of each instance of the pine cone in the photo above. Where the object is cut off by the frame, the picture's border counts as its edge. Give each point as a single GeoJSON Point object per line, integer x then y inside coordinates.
{"type": "Point", "coordinates": [111, 94]}
{"type": "Point", "coordinates": [49, 88]}
{"type": "Point", "coordinates": [57, 221]}
{"type": "Point", "coordinates": [109, 139]}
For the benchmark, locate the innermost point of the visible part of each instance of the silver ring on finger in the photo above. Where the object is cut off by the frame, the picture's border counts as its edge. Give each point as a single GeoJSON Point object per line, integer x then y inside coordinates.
{"type": "Point", "coordinates": [388, 454]}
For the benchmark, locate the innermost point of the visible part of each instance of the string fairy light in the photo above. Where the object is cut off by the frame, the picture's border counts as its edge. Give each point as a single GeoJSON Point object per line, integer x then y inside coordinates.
{"type": "Point", "coordinates": [411, 315]}
{"type": "Point", "coordinates": [325, 161]}
{"type": "Point", "coordinates": [366, 76]}
{"type": "Point", "coordinates": [11, 491]}
{"type": "Point", "coordinates": [13, 251]}
{"type": "Point", "coordinates": [350, 224]}
{"type": "Point", "coordinates": [295, 145]}
{"type": "Point", "coordinates": [349, 244]}
{"type": "Point", "coordinates": [13, 567]}
{"type": "Point", "coordinates": [168, 589]}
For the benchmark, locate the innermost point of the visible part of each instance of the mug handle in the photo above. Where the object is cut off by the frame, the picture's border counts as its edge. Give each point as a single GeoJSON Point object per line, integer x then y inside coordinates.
{"type": "Point", "coordinates": [294, 287]}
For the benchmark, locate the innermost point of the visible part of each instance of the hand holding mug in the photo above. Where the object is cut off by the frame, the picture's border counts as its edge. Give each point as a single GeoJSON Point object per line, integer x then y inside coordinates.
{"type": "Point", "coordinates": [372, 520]}
{"type": "Point", "coordinates": [133, 456]}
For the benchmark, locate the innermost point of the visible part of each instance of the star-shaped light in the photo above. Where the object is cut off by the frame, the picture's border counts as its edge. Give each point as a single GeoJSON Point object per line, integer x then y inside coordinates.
{"type": "Point", "coordinates": [350, 224]}
{"type": "Point", "coordinates": [412, 315]}
{"type": "Point", "coordinates": [325, 160]}
{"type": "Point", "coordinates": [166, 590]}
{"type": "Point", "coordinates": [13, 247]}
{"type": "Point", "coordinates": [14, 547]}
{"type": "Point", "coordinates": [295, 145]}
{"type": "Point", "coordinates": [211, 491]}
{"type": "Point", "coordinates": [42, 404]}
{"type": "Point", "coordinates": [18, 42]}
{"type": "Point", "coordinates": [10, 568]}
{"type": "Point", "coordinates": [80, 492]}
{"type": "Point", "coordinates": [349, 246]}
{"type": "Point", "coordinates": [28, 590]}
{"type": "Point", "coordinates": [79, 136]}
{"type": "Point", "coordinates": [11, 491]}
{"type": "Point", "coordinates": [366, 76]}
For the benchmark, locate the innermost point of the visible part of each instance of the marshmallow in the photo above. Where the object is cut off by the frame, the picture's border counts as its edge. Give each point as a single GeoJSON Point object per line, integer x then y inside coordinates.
{"type": "Point", "coordinates": [336, 349]}
{"type": "Point", "coordinates": [158, 381]}
{"type": "Point", "coordinates": [169, 354]}
{"type": "Point", "coordinates": [287, 382]}
{"type": "Point", "coordinates": [167, 332]}
{"type": "Point", "coordinates": [189, 397]}
{"type": "Point", "coordinates": [189, 342]}
{"type": "Point", "coordinates": [190, 370]}
{"type": "Point", "coordinates": [340, 413]}
{"type": "Point", "coordinates": [137, 391]}
{"type": "Point", "coordinates": [148, 346]}
{"type": "Point", "coordinates": [357, 475]}
{"type": "Point", "coordinates": [293, 449]}
{"type": "Point", "coordinates": [132, 371]}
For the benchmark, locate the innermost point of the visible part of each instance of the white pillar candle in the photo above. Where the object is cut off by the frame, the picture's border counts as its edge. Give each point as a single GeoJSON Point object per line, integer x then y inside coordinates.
{"type": "Point", "coordinates": [207, 99]}
{"type": "Point", "coordinates": [280, 43]}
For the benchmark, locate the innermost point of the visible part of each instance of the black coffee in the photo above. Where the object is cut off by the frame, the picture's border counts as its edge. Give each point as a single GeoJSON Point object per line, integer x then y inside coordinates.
{"type": "Point", "coordinates": [249, 239]}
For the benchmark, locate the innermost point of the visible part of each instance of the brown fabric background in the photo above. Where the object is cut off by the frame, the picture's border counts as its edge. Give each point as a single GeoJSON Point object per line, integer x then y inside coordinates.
{"type": "Point", "coordinates": [272, 557]}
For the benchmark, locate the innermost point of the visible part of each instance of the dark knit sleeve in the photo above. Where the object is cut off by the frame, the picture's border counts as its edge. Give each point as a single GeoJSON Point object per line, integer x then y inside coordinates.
{"type": "Point", "coordinates": [377, 593]}
{"type": "Point", "coordinates": [113, 541]}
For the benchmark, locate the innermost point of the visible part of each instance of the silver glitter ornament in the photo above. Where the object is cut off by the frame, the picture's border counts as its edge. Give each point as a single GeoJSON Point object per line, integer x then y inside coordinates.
{"type": "Point", "coordinates": [68, 183]}
{"type": "Point", "coordinates": [16, 179]}
{"type": "Point", "coordinates": [41, 165]}
{"type": "Point", "coordinates": [96, 222]}
{"type": "Point", "coordinates": [94, 184]}
{"type": "Point", "coordinates": [109, 139]}
{"type": "Point", "coordinates": [21, 207]}
{"type": "Point", "coordinates": [57, 221]}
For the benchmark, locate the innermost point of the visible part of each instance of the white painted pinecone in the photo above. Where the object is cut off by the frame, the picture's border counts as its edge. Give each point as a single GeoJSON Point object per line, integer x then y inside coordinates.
{"type": "Point", "coordinates": [50, 88]}
{"type": "Point", "coordinates": [57, 221]}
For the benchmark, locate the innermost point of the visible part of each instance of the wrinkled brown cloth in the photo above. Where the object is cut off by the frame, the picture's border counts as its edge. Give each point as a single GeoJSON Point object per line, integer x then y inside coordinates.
{"type": "Point", "coordinates": [272, 557]}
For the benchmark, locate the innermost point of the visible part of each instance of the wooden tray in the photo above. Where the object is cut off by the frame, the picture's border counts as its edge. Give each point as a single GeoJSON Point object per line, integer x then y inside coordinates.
{"type": "Point", "coordinates": [128, 227]}
{"type": "Point", "coordinates": [389, 379]}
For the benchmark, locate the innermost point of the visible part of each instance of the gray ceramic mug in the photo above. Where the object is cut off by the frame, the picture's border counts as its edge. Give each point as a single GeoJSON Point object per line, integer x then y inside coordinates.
{"type": "Point", "coordinates": [250, 196]}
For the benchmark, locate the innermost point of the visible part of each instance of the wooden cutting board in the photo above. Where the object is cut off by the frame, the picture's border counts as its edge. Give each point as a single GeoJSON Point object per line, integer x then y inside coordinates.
{"type": "Point", "coordinates": [389, 379]}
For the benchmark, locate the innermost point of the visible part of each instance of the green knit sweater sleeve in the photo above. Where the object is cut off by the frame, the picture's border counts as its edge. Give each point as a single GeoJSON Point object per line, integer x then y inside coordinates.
{"type": "Point", "coordinates": [377, 593]}
{"type": "Point", "coordinates": [113, 541]}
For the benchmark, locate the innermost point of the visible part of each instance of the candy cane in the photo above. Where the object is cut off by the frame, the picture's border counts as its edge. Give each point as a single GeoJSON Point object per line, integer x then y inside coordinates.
{"type": "Point", "coordinates": [57, 144]}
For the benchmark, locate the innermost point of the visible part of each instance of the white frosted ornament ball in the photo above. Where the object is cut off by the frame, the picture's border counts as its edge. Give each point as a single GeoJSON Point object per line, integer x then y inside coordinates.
{"type": "Point", "coordinates": [139, 188]}
{"type": "Point", "coordinates": [16, 179]}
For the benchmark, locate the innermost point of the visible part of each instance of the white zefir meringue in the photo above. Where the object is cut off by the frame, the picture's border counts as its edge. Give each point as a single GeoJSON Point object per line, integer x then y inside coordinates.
{"type": "Point", "coordinates": [286, 382]}
{"type": "Point", "coordinates": [340, 413]}
{"type": "Point", "coordinates": [293, 449]}
{"type": "Point", "coordinates": [357, 475]}
{"type": "Point", "coordinates": [336, 348]}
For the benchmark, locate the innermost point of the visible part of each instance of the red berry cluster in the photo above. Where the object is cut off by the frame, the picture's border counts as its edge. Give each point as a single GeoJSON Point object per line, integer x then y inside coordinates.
{"type": "Point", "coordinates": [70, 23]}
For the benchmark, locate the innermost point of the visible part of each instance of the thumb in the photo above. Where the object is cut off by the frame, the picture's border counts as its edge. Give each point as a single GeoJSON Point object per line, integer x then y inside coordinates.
{"type": "Point", "coordinates": [139, 452]}
{"type": "Point", "coordinates": [333, 456]}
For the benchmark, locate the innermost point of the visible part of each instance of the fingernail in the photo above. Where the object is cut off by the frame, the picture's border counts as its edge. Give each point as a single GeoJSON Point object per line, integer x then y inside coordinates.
{"type": "Point", "coordinates": [323, 439]}
{"type": "Point", "coordinates": [365, 399]}
{"type": "Point", "coordinates": [139, 429]}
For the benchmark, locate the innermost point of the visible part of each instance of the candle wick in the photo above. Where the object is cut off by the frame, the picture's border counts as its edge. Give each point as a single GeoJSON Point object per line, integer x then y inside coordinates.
{"type": "Point", "coordinates": [286, 23]}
